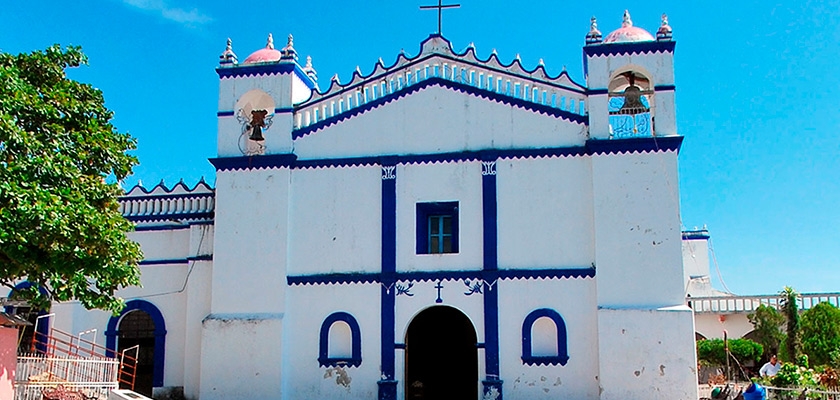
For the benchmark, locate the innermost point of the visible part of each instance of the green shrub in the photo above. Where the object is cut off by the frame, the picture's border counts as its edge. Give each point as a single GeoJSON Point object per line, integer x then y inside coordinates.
{"type": "Point", "coordinates": [712, 351]}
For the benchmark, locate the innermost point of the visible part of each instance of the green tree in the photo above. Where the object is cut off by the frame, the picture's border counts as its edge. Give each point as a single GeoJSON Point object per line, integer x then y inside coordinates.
{"type": "Point", "coordinates": [712, 351]}
{"type": "Point", "coordinates": [821, 334]}
{"type": "Point", "coordinates": [767, 329]}
{"type": "Point", "coordinates": [790, 308]}
{"type": "Point", "coordinates": [60, 226]}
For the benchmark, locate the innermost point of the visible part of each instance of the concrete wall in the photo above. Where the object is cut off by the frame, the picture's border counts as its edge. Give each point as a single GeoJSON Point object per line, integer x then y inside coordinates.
{"type": "Point", "coordinates": [8, 361]}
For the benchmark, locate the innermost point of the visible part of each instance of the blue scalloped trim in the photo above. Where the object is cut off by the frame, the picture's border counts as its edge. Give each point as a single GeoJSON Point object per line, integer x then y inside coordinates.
{"type": "Point", "coordinates": [162, 185]}
{"type": "Point", "coordinates": [166, 217]}
{"type": "Point", "coordinates": [432, 276]}
{"type": "Point", "coordinates": [622, 49]}
{"type": "Point", "coordinates": [592, 147]}
{"type": "Point", "coordinates": [438, 81]}
{"type": "Point", "coordinates": [277, 68]}
{"type": "Point", "coordinates": [545, 360]}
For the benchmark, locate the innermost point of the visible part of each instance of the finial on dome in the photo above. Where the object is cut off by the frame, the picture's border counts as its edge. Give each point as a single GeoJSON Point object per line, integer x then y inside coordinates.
{"type": "Point", "coordinates": [228, 56]}
{"type": "Point", "coordinates": [594, 35]}
{"type": "Point", "coordinates": [664, 32]}
{"type": "Point", "coordinates": [627, 21]}
{"type": "Point", "coordinates": [309, 70]}
{"type": "Point", "coordinates": [289, 52]}
{"type": "Point", "coordinates": [270, 43]}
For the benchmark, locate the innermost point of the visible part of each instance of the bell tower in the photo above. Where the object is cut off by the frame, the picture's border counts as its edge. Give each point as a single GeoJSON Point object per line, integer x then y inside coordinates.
{"type": "Point", "coordinates": [630, 75]}
{"type": "Point", "coordinates": [256, 99]}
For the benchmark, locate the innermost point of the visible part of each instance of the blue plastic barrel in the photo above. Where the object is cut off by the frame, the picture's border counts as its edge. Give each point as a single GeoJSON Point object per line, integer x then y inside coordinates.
{"type": "Point", "coordinates": [755, 392]}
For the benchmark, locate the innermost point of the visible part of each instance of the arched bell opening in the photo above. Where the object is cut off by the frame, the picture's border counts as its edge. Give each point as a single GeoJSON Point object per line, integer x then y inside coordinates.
{"type": "Point", "coordinates": [254, 111]}
{"type": "Point", "coordinates": [631, 104]}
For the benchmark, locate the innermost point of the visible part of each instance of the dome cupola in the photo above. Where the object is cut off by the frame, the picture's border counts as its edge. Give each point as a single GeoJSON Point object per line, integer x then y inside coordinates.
{"type": "Point", "coordinates": [268, 54]}
{"type": "Point", "coordinates": [628, 33]}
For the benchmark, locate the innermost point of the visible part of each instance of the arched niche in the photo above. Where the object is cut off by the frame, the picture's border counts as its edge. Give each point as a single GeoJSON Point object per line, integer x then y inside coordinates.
{"type": "Point", "coordinates": [255, 112]}
{"type": "Point", "coordinates": [539, 322]}
{"type": "Point", "coordinates": [333, 328]}
{"type": "Point", "coordinates": [113, 330]}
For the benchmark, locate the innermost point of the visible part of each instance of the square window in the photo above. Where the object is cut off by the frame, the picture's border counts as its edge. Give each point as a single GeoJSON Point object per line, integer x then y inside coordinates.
{"type": "Point", "coordinates": [437, 227]}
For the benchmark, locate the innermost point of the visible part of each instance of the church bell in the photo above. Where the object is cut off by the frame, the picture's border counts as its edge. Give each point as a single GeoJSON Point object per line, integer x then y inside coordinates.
{"type": "Point", "coordinates": [257, 124]}
{"type": "Point", "coordinates": [632, 99]}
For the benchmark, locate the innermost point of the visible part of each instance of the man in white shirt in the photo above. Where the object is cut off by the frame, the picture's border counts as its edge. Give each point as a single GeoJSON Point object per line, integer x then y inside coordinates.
{"type": "Point", "coordinates": [771, 368]}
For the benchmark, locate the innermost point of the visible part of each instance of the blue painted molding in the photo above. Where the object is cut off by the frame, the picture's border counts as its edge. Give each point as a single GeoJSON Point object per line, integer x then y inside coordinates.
{"type": "Point", "coordinates": [355, 359]}
{"type": "Point", "coordinates": [701, 234]}
{"type": "Point", "coordinates": [164, 262]}
{"type": "Point", "coordinates": [160, 335]}
{"type": "Point", "coordinates": [633, 145]}
{"type": "Point", "coordinates": [592, 147]}
{"type": "Point", "coordinates": [167, 217]}
{"type": "Point", "coordinates": [253, 162]}
{"type": "Point", "coordinates": [277, 68]}
{"type": "Point", "coordinates": [490, 260]}
{"type": "Point", "coordinates": [432, 276]}
{"type": "Point", "coordinates": [621, 49]}
{"type": "Point", "coordinates": [161, 228]}
{"type": "Point", "coordinates": [438, 81]}
{"type": "Point", "coordinates": [657, 88]}
{"type": "Point", "coordinates": [230, 113]}
{"type": "Point", "coordinates": [387, 385]}
{"type": "Point", "coordinates": [562, 356]}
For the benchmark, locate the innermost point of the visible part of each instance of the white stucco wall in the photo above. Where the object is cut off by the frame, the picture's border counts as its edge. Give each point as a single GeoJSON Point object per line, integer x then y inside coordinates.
{"type": "Point", "coordinates": [712, 325]}
{"type": "Point", "coordinates": [320, 198]}
{"type": "Point", "coordinates": [439, 120]}
{"type": "Point", "coordinates": [551, 196]}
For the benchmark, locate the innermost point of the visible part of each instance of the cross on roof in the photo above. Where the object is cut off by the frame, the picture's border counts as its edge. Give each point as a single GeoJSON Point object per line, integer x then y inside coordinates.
{"type": "Point", "coordinates": [440, 6]}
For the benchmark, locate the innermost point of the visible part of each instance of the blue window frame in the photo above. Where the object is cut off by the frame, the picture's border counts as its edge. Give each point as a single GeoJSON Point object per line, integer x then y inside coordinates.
{"type": "Point", "coordinates": [437, 227]}
{"type": "Point", "coordinates": [562, 356]}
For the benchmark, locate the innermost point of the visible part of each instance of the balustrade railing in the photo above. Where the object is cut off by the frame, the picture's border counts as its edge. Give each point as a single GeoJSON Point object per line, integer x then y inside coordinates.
{"type": "Point", "coordinates": [384, 82]}
{"type": "Point", "coordinates": [748, 304]}
{"type": "Point", "coordinates": [150, 207]}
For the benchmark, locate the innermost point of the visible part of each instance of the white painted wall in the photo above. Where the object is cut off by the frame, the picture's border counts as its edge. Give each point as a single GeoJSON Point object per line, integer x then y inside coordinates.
{"type": "Point", "coordinates": [575, 301]}
{"type": "Point", "coordinates": [439, 120]}
{"type": "Point", "coordinates": [551, 196]}
{"type": "Point", "coordinates": [712, 325]}
{"type": "Point", "coordinates": [319, 199]}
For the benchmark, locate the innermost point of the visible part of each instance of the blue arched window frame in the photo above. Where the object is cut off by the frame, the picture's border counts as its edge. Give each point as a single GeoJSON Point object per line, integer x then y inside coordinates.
{"type": "Point", "coordinates": [44, 327]}
{"type": "Point", "coordinates": [160, 335]}
{"type": "Point", "coordinates": [562, 356]}
{"type": "Point", "coordinates": [355, 359]}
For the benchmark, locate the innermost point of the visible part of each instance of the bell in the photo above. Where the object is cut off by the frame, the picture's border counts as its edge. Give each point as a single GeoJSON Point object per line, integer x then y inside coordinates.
{"type": "Point", "coordinates": [256, 134]}
{"type": "Point", "coordinates": [632, 99]}
{"type": "Point", "coordinates": [257, 123]}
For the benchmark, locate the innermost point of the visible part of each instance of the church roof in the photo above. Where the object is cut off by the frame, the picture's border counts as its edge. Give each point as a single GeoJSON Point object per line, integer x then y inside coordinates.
{"type": "Point", "coordinates": [628, 33]}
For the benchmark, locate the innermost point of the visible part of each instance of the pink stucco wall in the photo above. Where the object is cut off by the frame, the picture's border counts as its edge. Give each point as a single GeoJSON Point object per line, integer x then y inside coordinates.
{"type": "Point", "coordinates": [8, 361]}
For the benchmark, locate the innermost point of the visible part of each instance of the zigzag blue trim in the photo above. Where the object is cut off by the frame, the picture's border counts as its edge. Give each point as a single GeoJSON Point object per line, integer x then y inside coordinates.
{"type": "Point", "coordinates": [276, 68]}
{"type": "Point", "coordinates": [431, 276]}
{"type": "Point", "coordinates": [622, 49]}
{"type": "Point", "coordinates": [438, 81]}
{"type": "Point", "coordinates": [592, 147]}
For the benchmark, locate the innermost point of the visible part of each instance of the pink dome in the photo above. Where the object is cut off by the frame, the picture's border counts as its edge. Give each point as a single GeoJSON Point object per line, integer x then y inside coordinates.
{"type": "Point", "coordinates": [263, 55]}
{"type": "Point", "coordinates": [628, 33]}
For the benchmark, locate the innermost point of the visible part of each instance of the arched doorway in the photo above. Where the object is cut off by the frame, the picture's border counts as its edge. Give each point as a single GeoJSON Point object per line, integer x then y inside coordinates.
{"type": "Point", "coordinates": [28, 340]}
{"type": "Point", "coordinates": [441, 359]}
{"type": "Point", "coordinates": [138, 329]}
{"type": "Point", "coordinates": [140, 324]}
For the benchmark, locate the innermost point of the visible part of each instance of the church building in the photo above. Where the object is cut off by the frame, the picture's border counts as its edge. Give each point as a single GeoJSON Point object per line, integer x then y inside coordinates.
{"type": "Point", "coordinates": [445, 227]}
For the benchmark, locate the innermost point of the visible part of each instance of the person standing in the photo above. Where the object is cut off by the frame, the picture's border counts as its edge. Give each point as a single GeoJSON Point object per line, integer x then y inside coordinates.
{"type": "Point", "coordinates": [771, 368]}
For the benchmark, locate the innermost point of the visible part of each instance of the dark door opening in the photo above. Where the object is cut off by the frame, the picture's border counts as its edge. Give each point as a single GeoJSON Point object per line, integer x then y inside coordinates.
{"type": "Point", "coordinates": [441, 359]}
{"type": "Point", "coordinates": [137, 329]}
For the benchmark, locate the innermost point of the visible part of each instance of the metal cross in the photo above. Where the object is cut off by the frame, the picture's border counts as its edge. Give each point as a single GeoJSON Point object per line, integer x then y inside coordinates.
{"type": "Point", "coordinates": [440, 6]}
{"type": "Point", "coordinates": [438, 287]}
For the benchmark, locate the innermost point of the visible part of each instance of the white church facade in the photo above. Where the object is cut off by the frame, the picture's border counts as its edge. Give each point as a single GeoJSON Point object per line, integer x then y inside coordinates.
{"type": "Point", "coordinates": [443, 227]}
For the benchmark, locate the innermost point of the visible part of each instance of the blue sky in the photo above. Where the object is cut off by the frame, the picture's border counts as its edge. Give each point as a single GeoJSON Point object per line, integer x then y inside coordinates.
{"type": "Point", "coordinates": [757, 89]}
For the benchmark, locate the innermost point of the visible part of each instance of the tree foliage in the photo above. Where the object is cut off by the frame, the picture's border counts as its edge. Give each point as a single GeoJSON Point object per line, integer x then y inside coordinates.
{"type": "Point", "coordinates": [712, 351]}
{"type": "Point", "coordinates": [767, 329]}
{"type": "Point", "coordinates": [790, 308]}
{"type": "Point", "coordinates": [821, 334]}
{"type": "Point", "coordinates": [60, 226]}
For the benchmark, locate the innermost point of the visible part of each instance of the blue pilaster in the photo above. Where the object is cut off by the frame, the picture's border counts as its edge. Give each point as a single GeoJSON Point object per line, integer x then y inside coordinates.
{"type": "Point", "coordinates": [388, 385]}
{"type": "Point", "coordinates": [491, 278]}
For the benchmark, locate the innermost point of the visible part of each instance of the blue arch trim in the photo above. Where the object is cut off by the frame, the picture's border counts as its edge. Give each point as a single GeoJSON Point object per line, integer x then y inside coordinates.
{"type": "Point", "coordinates": [44, 328]}
{"type": "Point", "coordinates": [562, 356]}
{"type": "Point", "coordinates": [324, 358]}
{"type": "Point", "coordinates": [160, 335]}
